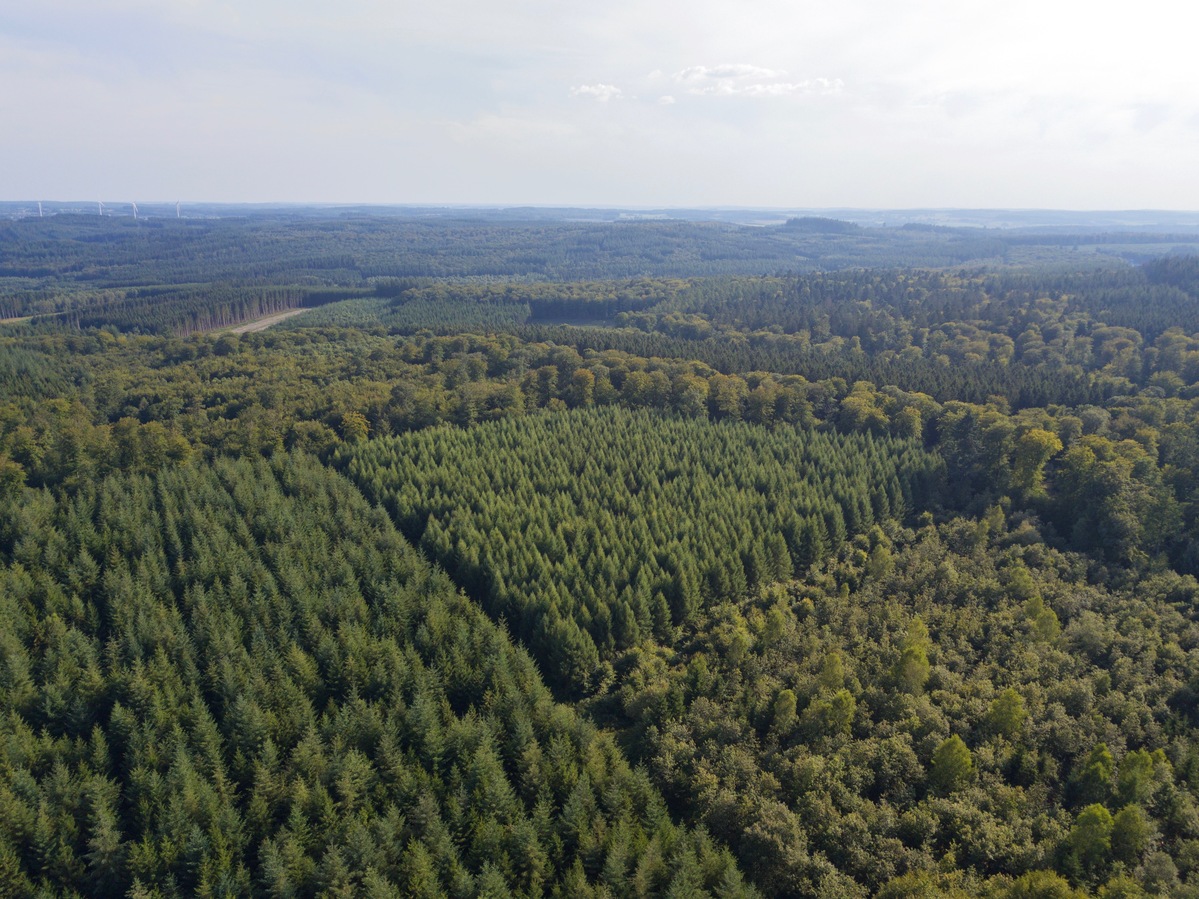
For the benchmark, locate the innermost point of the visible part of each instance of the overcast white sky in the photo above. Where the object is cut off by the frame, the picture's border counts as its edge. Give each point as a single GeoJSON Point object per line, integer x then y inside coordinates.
{"type": "Point", "coordinates": [785, 103]}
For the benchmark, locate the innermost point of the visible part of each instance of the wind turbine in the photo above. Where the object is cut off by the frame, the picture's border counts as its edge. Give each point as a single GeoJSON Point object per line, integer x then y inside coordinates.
{"type": "Point", "coordinates": [177, 215]}
{"type": "Point", "coordinates": [101, 205]}
{"type": "Point", "coordinates": [39, 209]}
{"type": "Point", "coordinates": [134, 205]}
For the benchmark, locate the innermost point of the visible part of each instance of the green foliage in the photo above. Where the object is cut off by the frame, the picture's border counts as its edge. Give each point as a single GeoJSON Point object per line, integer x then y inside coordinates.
{"type": "Point", "coordinates": [387, 251]}
{"type": "Point", "coordinates": [437, 314]}
{"type": "Point", "coordinates": [1042, 885]}
{"type": "Point", "coordinates": [580, 527]}
{"type": "Point", "coordinates": [1122, 887]}
{"type": "Point", "coordinates": [1007, 714]}
{"type": "Point", "coordinates": [1090, 839]}
{"type": "Point", "coordinates": [1131, 835]}
{"type": "Point", "coordinates": [1095, 776]}
{"type": "Point", "coordinates": [865, 802]}
{"type": "Point", "coordinates": [952, 766]}
{"type": "Point", "coordinates": [239, 677]}
{"type": "Point", "coordinates": [912, 668]}
{"type": "Point", "coordinates": [830, 714]}
{"type": "Point", "coordinates": [1043, 623]}
{"type": "Point", "coordinates": [1135, 783]}
{"type": "Point", "coordinates": [354, 427]}
{"type": "Point", "coordinates": [925, 885]}
{"type": "Point", "coordinates": [1033, 449]}
{"type": "Point", "coordinates": [784, 713]}
{"type": "Point", "coordinates": [224, 675]}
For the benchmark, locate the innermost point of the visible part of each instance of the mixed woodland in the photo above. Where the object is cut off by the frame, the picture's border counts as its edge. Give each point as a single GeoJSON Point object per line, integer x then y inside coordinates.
{"type": "Point", "coordinates": [555, 558]}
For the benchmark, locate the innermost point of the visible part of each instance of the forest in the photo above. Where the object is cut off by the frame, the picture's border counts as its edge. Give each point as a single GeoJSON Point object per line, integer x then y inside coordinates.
{"type": "Point", "coordinates": [541, 557]}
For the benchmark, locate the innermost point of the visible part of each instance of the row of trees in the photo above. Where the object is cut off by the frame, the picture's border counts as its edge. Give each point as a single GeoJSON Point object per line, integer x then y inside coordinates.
{"type": "Point", "coordinates": [174, 310]}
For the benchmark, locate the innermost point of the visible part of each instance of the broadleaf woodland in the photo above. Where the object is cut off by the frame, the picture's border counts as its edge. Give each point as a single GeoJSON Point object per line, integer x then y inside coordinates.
{"type": "Point", "coordinates": [560, 558]}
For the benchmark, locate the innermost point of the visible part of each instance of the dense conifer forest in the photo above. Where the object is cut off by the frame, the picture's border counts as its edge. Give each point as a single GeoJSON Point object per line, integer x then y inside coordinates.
{"type": "Point", "coordinates": [543, 558]}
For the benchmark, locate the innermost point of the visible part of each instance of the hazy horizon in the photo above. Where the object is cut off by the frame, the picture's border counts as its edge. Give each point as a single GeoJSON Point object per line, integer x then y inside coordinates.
{"type": "Point", "coordinates": [996, 217]}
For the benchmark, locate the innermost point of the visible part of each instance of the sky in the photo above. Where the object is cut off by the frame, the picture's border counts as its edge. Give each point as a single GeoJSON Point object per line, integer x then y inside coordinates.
{"type": "Point", "coordinates": [1052, 104]}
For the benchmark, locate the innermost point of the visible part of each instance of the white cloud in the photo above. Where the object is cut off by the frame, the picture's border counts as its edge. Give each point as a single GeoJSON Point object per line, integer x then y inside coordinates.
{"type": "Point", "coordinates": [730, 79]}
{"type": "Point", "coordinates": [781, 88]}
{"type": "Point", "coordinates": [599, 92]}
{"type": "Point", "coordinates": [666, 100]}
{"type": "Point", "coordinates": [727, 71]}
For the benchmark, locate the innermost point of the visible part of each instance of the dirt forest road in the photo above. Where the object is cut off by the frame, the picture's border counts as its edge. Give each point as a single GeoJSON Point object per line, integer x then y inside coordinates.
{"type": "Point", "coordinates": [263, 323]}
